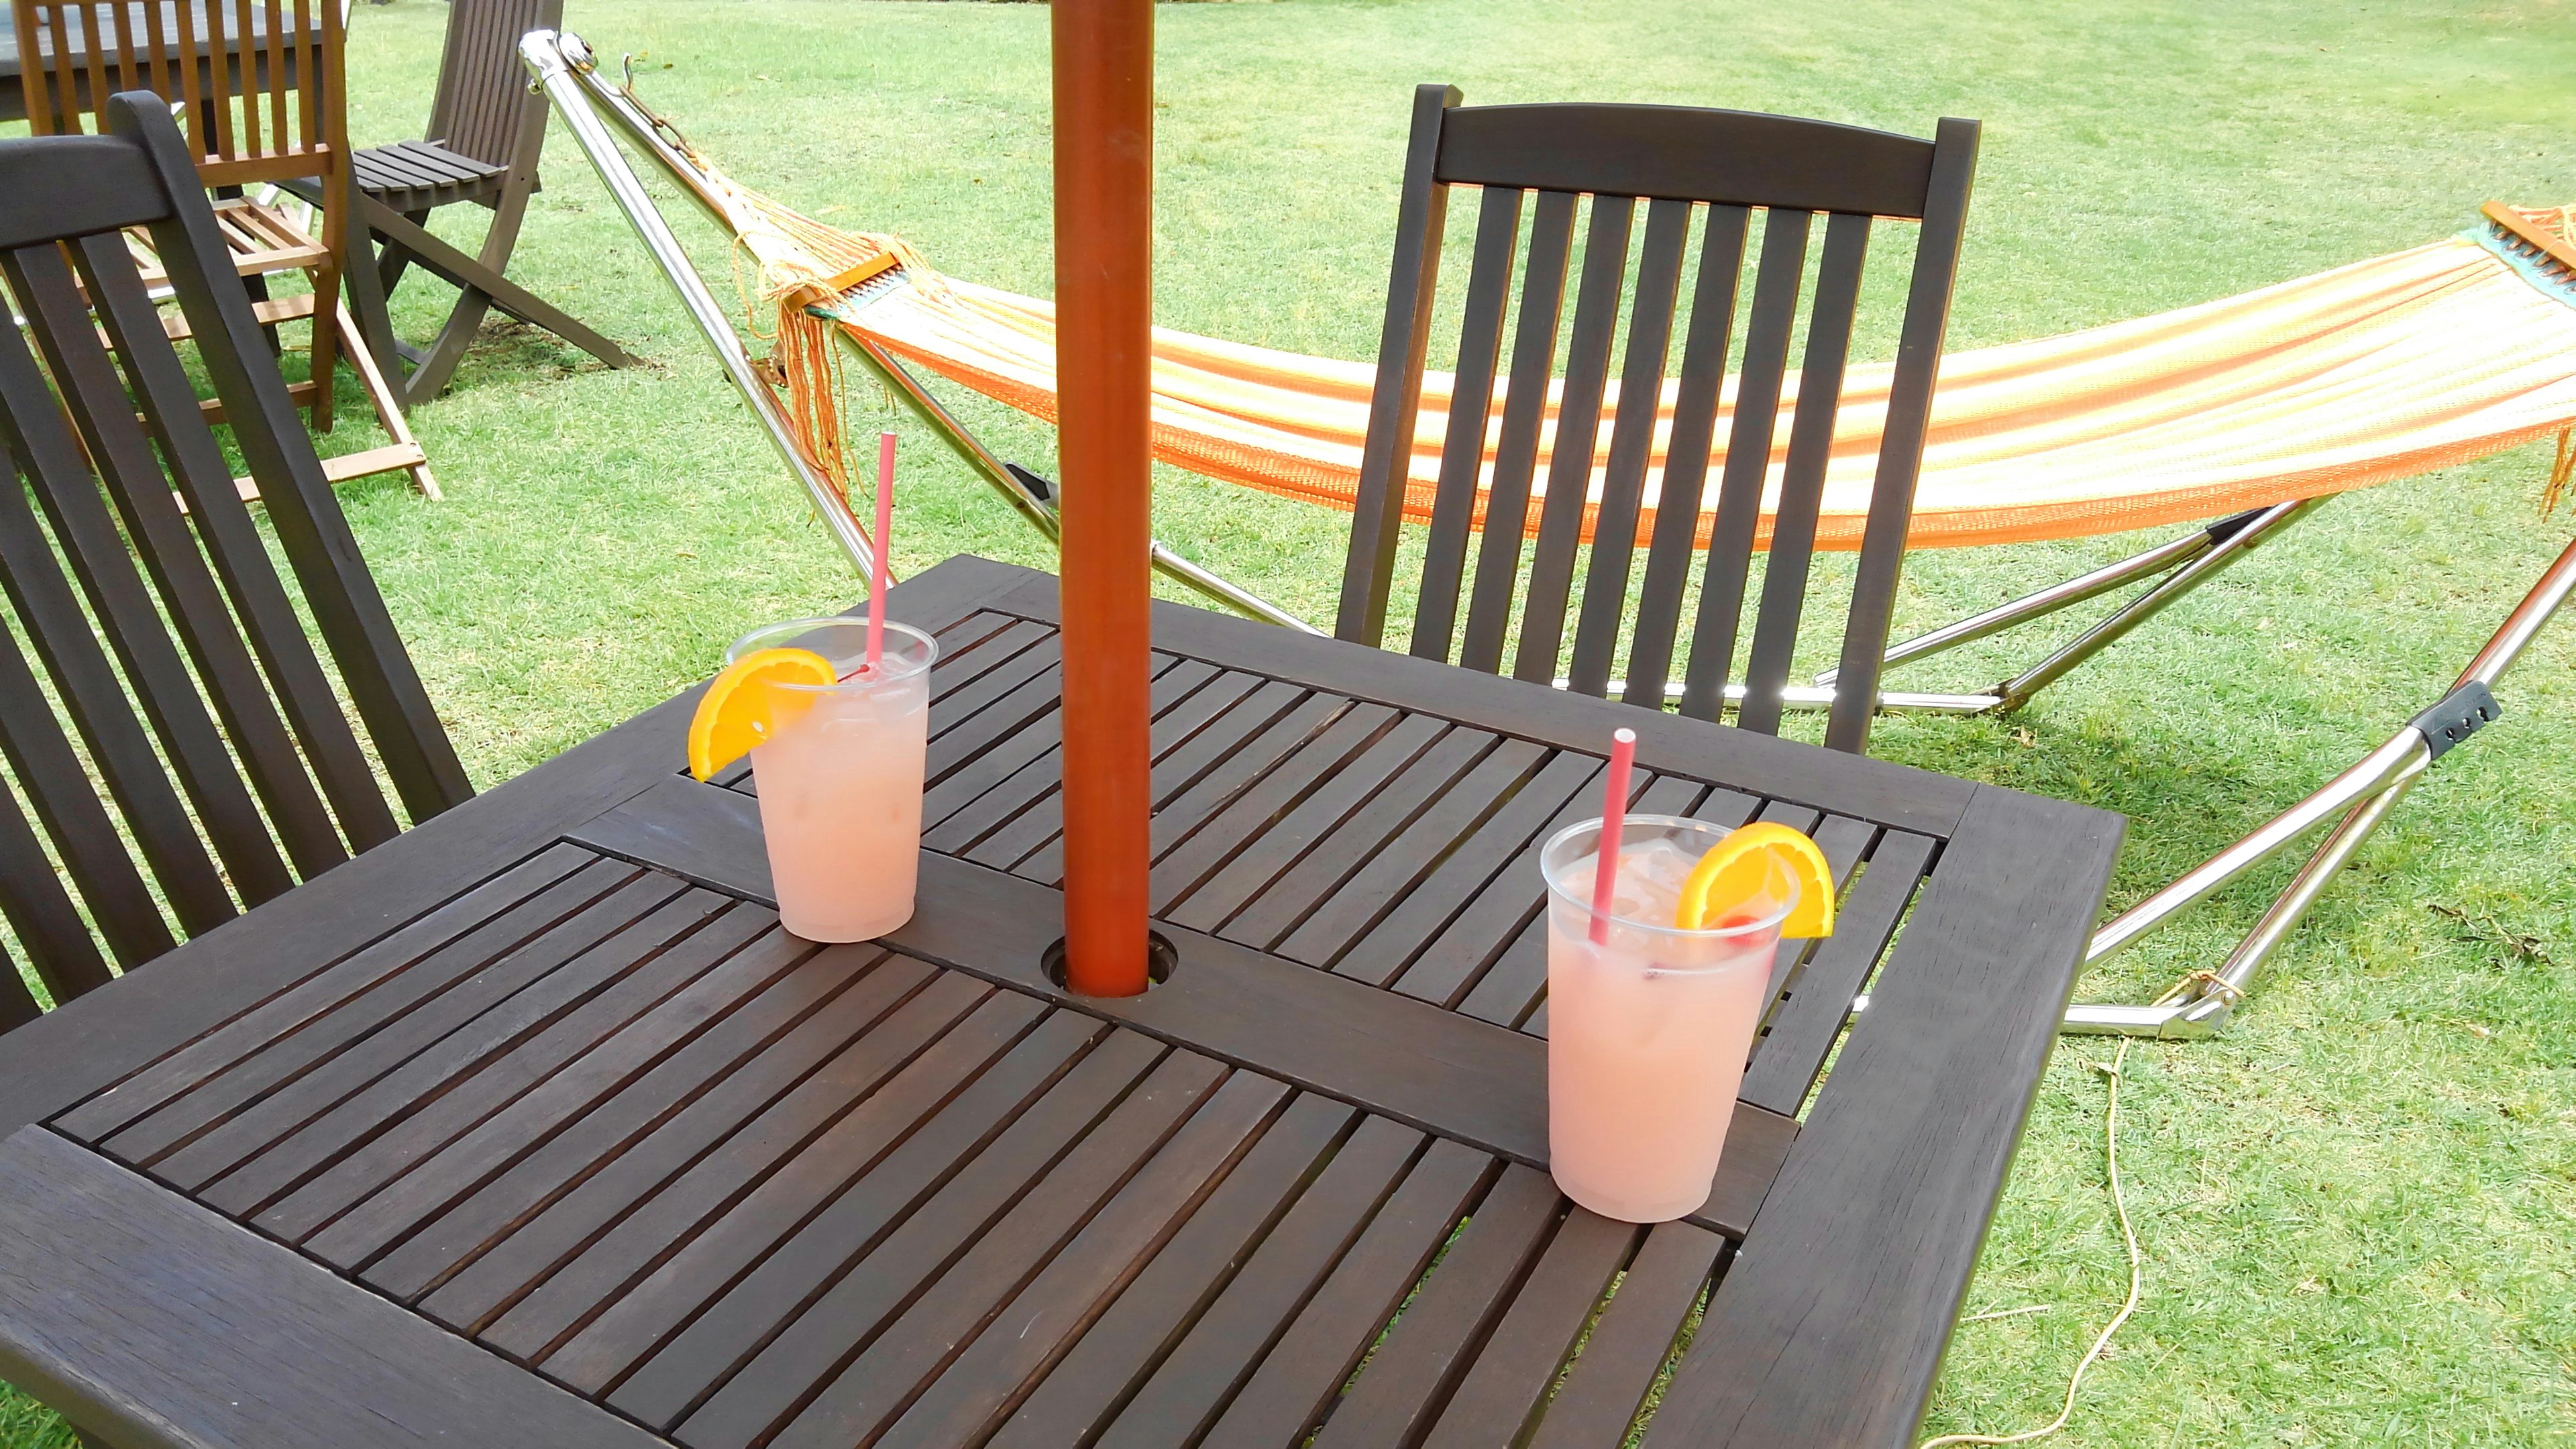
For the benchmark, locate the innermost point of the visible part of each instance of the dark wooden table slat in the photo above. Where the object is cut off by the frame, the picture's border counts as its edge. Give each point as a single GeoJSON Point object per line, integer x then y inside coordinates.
{"type": "Point", "coordinates": [1509, 1383]}
{"type": "Point", "coordinates": [272, 1023]}
{"type": "Point", "coordinates": [1124, 1344]}
{"type": "Point", "coordinates": [1326, 1339]}
{"type": "Point", "coordinates": [1804, 1026]}
{"type": "Point", "coordinates": [602, 1250]}
{"type": "Point", "coordinates": [721, 1289]}
{"type": "Point", "coordinates": [1220, 1351]}
{"type": "Point", "coordinates": [604, 1148]}
{"type": "Point", "coordinates": [149, 1295]}
{"type": "Point", "coordinates": [1412, 1370]}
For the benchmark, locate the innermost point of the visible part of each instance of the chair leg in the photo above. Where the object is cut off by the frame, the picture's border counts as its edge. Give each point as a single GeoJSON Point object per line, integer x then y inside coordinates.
{"type": "Point", "coordinates": [395, 261]}
{"type": "Point", "coordinates": [257, 285]}
{"type": "Point", "coordinates": [360, 277]}
{"type": "Point", "coordinates": [325, 349]}
{"type": "Point", "coordinates": [439, 364]}
{"type": "Point", "coordinates": [436, 256]}
{"type": "Point", "coordinates": [466, 320]}
{"type": "Point", "coordinates": [389, 406]}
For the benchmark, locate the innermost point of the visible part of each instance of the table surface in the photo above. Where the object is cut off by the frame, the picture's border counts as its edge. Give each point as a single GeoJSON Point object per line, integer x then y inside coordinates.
{"type": "Point", "coordinates": [532, 1127]}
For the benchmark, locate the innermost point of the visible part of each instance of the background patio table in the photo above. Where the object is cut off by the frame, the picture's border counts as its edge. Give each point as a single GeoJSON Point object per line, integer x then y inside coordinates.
{"type": "Point", "coordinates": [13, 89]}
{"type": "Point", "coordinates": [531, 1127]}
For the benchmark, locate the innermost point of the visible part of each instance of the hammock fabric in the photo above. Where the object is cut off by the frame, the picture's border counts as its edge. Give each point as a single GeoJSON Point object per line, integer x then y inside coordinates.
{"type": "Point", "coordinates": [2373, 371]}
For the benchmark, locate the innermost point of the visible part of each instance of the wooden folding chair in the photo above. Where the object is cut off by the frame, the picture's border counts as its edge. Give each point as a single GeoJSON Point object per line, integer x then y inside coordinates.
{"type": "Point", "coordinates": [262, 86]}
{"type": "Point", "coordinates": [1687, 170]}
{"type": "Point", "coordinates": [214, 756]}
{"type": "Point", "coordinates": [486, 131]}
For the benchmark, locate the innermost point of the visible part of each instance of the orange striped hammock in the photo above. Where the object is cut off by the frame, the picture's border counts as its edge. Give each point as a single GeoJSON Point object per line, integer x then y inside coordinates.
{"type": "Point", "coordinates": [2377, 370]}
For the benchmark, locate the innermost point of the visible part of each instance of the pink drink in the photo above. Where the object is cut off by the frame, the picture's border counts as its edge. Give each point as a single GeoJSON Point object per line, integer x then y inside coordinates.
{"type": "Point", "coordinates": [840, 781]}
{"type": "Point", "coordinates": [1647, 1033]}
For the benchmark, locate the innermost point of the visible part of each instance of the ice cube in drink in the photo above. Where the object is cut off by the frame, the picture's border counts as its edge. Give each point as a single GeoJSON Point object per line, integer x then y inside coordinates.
{"type": "Point", "coordinates": [1649, 1028]}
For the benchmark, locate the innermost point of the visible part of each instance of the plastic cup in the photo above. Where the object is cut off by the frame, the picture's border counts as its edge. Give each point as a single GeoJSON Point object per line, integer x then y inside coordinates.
{"type": "Point", "coordinates": [1648, 1030]}
{"type": "Point", "coordinates": [840, 780]}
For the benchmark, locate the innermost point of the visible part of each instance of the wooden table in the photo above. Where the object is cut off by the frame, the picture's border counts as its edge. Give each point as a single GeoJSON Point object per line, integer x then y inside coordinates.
{"type": "Point", "coordinates": [531, 1127]}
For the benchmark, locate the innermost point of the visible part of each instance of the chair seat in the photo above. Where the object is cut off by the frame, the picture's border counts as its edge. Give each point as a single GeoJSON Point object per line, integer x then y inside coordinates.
{"type": "Point", "coordinates": [414, 176]}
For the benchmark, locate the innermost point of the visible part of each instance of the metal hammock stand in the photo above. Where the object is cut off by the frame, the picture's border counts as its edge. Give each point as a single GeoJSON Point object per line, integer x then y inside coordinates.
{"type": "Point", "coordinates": [2197, 1006]}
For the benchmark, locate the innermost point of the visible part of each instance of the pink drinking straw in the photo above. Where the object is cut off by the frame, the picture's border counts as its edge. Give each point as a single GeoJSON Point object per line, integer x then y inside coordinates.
{"type": "Point", "coordinates": [885, 552]}
{"type": "Point", "coordinates": [1614, 825]}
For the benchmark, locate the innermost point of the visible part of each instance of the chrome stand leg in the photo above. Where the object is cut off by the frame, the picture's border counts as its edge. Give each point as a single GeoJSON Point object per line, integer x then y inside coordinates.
{"type": "Point", "coordinates": [2197, 1007]}
{"type": "Point", "coordinates": [2201, 568]}
{"type": "Point", "coordinates": [545, 60]}
{"type": "Point", "coordinates": [1815, 699]}
{"type": "Point", "coordinates": [2365, 794]}
{"type": "Point", "coordinates": [2162, 558]}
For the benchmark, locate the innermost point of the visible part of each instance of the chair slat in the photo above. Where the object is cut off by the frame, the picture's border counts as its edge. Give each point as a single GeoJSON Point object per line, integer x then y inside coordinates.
{"type": "Point", "coordinates": [161, 62]}
{"type": "Point", "coordinates": [351, 613]}
{"type": "Point", "coordinates": [62, 635]}
{"type": "Point", "coordinates": [219, 90]}
{"type": "Point", "coordinates": [96, 399]}
{"type": "Point", "coordinates": [65, 102]}
{"type": "Point", "coordinates": [240, 558]}
{"type": "Point", "coordinates": [1776, 282]}
{"type": "Point", "coordinates": [278, 83]}
{"type": "Point", "coordinates": [27, 21]}
{"type": "Point", "coordinates": [159, 787]}
{"type": "Point", "coordinates": [1632, 437]}
{"type": "Point", "coordinates": [1395, 400]}
{"type": "Point", "coordinates": [1802, 486]}
{"type": "Point", "coordinates": [1900, 448]}
{"type": "Point", "coordinates": [100, 558]}
{"type": "Point", "coordinates": [1618, 156]}
{"type": "Point", "coordinates": [69, 809]}
{"type": "Point", "coordinates": [17, 1003]}
{"type": "Point", "coordinates": [1498, 555]}
{"type": "Point", "coordinates": [94, 35]}
{"type": "Point", "coordinates": [308, 61]}
{"type": "Point", "coordinates": [248, 140]}
{"type": "Point", "coordinates": [48, 926]}
{"type": "Point", "coordinates": [482, 91]}
{"type": "Point", "coordinates": [192, 87]}
{"type": "Point", "coordinates": [1578, 429]}
{"type": "Point", "coordinates": [129, 64]}
{"type": "Point", "coordinates": [1686, 455]}
{"type": "Point", "coordinates": [1471, 409]}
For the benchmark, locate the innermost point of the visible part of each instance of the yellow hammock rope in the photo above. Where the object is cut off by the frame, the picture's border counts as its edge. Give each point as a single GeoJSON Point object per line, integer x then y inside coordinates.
{"type": "Point", "coordinates": [2377, 370]}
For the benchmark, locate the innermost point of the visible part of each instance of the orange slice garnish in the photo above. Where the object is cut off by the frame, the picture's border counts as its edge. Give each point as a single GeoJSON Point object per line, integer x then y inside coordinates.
{"type": "Point", "coordinates": [739, 711]}
{"type": "Point", "coordinates": [1736, 870]}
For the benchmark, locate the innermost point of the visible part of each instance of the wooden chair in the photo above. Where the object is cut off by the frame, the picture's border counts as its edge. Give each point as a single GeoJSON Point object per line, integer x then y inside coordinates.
{"type": "Point", "coordinates": [1688, 170]}
{"type": "Point", "coordinates": [486, 131]}
{"type": "Point", "coordinates": [220, 745]}
{"type": "Point", "coordinates": [261, 83]}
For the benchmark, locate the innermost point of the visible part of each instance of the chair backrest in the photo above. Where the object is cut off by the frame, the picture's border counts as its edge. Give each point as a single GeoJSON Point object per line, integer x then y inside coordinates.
{"type": "Point", "coordinates": [1688, 170]}
{"type": "Point", "coordinates": [143, 591]}
{"type": "Point", "coordinates": [261, 81]}
{"type": "Point", "coordinates": [484, 108]}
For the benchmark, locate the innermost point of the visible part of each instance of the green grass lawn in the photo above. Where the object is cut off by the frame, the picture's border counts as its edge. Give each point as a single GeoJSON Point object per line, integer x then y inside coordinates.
{"type": "Point", "coordinates": [2359, 1205]}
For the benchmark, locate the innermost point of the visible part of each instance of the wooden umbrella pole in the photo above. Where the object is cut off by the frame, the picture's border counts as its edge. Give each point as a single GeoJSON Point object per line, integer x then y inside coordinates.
{"type": "Point", "coordinates": [1104, 162]}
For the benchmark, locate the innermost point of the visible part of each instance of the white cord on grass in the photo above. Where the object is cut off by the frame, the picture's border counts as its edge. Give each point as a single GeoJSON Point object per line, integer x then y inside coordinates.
{"type": "Point", "coordinates": [2111, 1155]}
{"type": "Point", "coordinates": [2004, 1313]}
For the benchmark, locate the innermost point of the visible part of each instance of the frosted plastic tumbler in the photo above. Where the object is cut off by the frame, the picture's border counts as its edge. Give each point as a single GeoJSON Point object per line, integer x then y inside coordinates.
{"type": "Point", "coordinates": [840, 780]}
{"type": "Point", "coordinates": [1648, 1029]}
